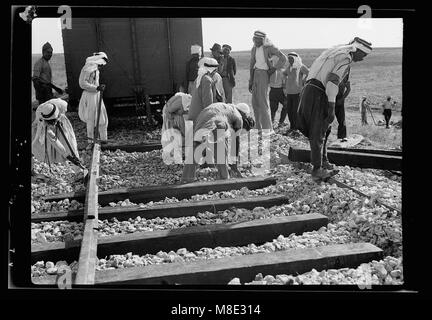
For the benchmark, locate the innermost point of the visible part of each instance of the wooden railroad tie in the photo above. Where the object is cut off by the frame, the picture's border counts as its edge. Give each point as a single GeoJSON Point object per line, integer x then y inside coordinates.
{"type": "Point", "coordinates": [193, 238]}
{"type": "Point", "coordinates": [352, 159]}
{"type": "Point", "coordinates": [222, 270]}
{"type": "Point", "coordinates": [171, 210]}
{"type": "Point", "coordinates": [158, 193]}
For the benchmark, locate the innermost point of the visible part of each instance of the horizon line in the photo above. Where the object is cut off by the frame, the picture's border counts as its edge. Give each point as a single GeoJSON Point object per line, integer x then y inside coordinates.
{"type": "Point", "coordinates": [207, 51]}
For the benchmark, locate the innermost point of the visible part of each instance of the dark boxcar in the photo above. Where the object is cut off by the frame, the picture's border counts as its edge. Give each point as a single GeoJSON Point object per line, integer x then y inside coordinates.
{"type": "Point", "coordinates": [146, 55]}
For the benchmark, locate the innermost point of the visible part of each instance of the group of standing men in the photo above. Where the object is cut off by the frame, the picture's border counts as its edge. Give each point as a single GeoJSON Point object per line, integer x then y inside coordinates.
{"type": "Point", "coordinates": [312, 104]}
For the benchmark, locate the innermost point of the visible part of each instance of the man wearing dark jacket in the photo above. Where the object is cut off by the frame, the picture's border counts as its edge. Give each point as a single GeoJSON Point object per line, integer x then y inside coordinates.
{"type": "Point", "coordinates": [228, 71]}
{"type": "Point", "coordinates": [192, 68]}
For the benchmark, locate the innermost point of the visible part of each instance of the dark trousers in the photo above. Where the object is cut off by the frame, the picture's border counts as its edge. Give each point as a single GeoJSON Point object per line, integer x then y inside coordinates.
{"type": "Point", "coordinates": [319, 150]}
{"type": "Point", "coordinates": [387, 115]}
{"type": "Point", "coordinates": [277, 96]}
{"type": "Point", "coordinates": [312, 120]}
{"type": "Point", "coordinates": [340, 116]}
{"type": "Point", "coordinates": [292, 101]}
{"type": "Point", "coordinates": [43, 93]}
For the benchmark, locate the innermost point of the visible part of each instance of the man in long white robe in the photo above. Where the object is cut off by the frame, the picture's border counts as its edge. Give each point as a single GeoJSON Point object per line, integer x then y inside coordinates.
{"type": "Point", "coordinates": [89, 102]}
{"type": "Point", "coordinates": [54, 138]}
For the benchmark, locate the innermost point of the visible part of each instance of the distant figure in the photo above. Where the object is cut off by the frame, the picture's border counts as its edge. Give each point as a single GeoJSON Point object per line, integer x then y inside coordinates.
{"type": "Point", "coordinates": [294, 77]}
{"type": "Point", "coordinates": [387, 111]}
{"type": "Point", "coordinates": [317, 104]}
{"type": "Point", "coordinates": [227, 71]}
{"type": "Point", "coordinates": [260, 71]}
{"type": "Point", "coordinates": [192, 67]}
{"type": "Point", "coordinates": [89, 102]}
{"type": "Point", "coordinates": [276, 94]}
{"type": "Point", "coordinates": [344, 90]}
{"type": "Point", "coordinates": [42, 76]}
{"type": "Point", "coordinates": [364, 106]}
{"type": "Point", "coordinates": [207, 87]}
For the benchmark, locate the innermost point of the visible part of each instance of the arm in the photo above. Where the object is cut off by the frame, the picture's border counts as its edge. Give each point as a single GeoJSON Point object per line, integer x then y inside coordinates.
{"type": "Point", "coordinates": [347, 90]}
{"type": "Point", "coordinates": [85, 84]}
{"type": "Point", "coordinates": [282, 57]}
{"type": "Point", "coordinates": [251, 68]}
{"type": "Point", "coordinates": [234, 66]}
{"type": "Point", "coordinates": [56, 143]}
{"type": "Point", "coordinates": [305, 72]}
{"type": "Point", "coordinates": [207, 92]}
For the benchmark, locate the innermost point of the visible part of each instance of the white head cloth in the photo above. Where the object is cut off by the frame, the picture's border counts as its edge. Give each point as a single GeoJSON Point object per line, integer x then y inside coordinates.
{"type": "Point", "coordinates": [186, 99]}
{"type": "Point", "coordinates": [243, 107]}
{"type": "Point", "coordinates": [205, 69]}
{"type": "Point", "coordinates": [196, 49]}
{"type": "Point", "coordinates": [297, 64]}
{"type": "Point", "coordinates": [93, 61]}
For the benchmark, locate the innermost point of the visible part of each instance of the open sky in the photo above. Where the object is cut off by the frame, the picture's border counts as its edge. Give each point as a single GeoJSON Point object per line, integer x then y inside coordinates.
{"type": "Point", "coordinates": [286, 33]}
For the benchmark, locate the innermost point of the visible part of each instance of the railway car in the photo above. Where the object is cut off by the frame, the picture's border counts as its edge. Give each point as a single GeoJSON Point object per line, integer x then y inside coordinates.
{"type": "Point", "coordinates": [147, 58]}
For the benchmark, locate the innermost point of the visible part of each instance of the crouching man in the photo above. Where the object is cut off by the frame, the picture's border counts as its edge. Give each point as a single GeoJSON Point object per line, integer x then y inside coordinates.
{"type": "Point", "coordinates": [213, 120]}
{"type": "Point", "coordinates": [54, 140]}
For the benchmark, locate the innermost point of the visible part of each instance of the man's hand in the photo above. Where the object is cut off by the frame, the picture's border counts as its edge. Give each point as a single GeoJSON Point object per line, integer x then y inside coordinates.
{"type": "Point", "coordinates": [331, 113]}
{"type": "Point", "coordinates": [250, 87]}
{"type": "Point", "coordinates": [271, 71]}
{"type": "Point", "coordinates": [101, 87]}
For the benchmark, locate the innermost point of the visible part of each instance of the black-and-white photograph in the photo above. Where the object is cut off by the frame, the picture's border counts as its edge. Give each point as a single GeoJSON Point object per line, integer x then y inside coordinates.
{"type": "Point", "coordinates": [215, 150]}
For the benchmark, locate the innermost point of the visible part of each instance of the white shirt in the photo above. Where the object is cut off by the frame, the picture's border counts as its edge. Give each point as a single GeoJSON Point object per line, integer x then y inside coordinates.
{"type": "Point", "coordinates": [260, 59]}
{"type": "Point", "coordinates": [337, 65]}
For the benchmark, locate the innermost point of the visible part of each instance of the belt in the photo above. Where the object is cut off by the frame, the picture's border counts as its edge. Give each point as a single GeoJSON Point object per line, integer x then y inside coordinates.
{"type": "Point", "coordinates": [315, 83]}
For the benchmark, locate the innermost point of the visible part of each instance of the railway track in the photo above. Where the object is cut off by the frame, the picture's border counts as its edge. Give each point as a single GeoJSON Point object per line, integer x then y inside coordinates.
{"type": "Point", "coordinates": [213, 271]}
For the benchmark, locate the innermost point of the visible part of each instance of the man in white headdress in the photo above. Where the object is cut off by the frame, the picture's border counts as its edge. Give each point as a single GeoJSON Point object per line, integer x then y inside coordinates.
{"type": "Point", "coordinates": [294, 76]}
{"type": "Point", "coordinates": [260, 71]}
{"type": "Point", "coordinates": [212, 127]}
{"type": "Point", "coordinates": [54, 138]}
{"type": "Point", "coordinates": [208, 87]}
{"type": "Point", "coordinates": [317, 103]}
{"type": "Point", "coordinates": [89, 102]}
{"type": "Point", "coordinates": [192, 67]}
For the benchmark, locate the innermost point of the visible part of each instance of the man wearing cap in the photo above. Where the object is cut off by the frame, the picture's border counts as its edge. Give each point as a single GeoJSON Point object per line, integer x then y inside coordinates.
{"type": "Point", "coordinates": [211, 130]}
{"type": "Point", "coordinates": [207, 87]}
{"type": "Point", "coordinates": [54, 140]}
{"type": "Point", "coordinates": [89, 102]}
{"type": "Point", "coordinates": [317, 103]}
{"type": "Point", "coordinates": [42, 76]}
{"type": "Point", "coordinates": [216, 52]}
{"type": "Point", "coordinates": [344, 90]}
{"type": "Point", "coordinates": [387, 111]}
{"type": "Point", "coordinates": [294, 76]}
{"type": "Point", "coordinates": [192, 67]}
{"type": "Point", "coordinates": [227, 71]}
{"type": "Point", "coordinates": [260, 71]}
